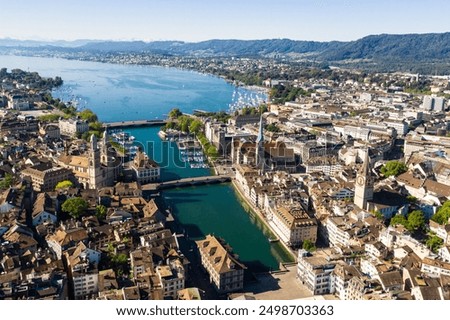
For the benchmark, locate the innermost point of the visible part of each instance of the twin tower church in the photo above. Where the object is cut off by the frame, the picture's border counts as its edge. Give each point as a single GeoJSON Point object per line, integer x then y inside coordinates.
{"type": "Point", "coordinates": [101, 166]}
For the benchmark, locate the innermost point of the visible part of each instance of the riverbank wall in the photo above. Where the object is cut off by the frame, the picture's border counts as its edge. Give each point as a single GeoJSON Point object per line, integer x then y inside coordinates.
{"type": "Point", "coordinates": [258, 214]}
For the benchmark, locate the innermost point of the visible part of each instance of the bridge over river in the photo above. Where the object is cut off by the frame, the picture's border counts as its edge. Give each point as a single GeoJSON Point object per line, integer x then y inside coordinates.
{"type": "Point", "coordinates": [186, 182]}
{"type": "Point", "coordinates": [133, 123]}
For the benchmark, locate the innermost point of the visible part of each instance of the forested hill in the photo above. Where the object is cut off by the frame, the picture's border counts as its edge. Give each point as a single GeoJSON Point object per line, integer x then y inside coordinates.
{"type": "Point", "coordinates": [422, 53]}
{"type": "Point", "coordinates": [243, 48]}
{"type": "Point", "coordinates": [408, 46]}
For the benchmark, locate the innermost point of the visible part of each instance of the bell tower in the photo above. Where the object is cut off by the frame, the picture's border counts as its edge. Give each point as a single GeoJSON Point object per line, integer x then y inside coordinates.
{"type": "Point", "coordinates": [260, 161]}
{"type": "Point", "coordinates": [364, 184]}
{"type": "Point", "coordinates": [104, 152]}
{"type": "Point", "coordinates": [94, 169]}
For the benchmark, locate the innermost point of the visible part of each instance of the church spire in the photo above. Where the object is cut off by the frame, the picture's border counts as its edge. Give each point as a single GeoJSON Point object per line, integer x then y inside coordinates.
{"type": "Point", "coordinates": [260, 161]}
{"type": "Point", "coordinates": [93, 142]}
{"type": "Point", "coordinates": [365, 169]}
{"type": "Point", "coordinates": [260, 137]}
{"type": "Point", "coordinates": [364, 184]}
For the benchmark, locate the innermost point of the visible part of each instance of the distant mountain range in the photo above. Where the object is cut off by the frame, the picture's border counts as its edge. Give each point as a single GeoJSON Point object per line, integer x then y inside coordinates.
{"type": "Point", "coordinates": [7, 42]}
{"type": "Point", "coordinates": [240, 48]}
{"type": "Point", "coordinates": [407, 51]}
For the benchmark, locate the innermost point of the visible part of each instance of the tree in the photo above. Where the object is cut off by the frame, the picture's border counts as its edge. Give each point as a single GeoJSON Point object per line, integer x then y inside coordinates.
{"type": "Point", "coordinates": [308, 245]}
{"type": "Point", "coordinates": [434, 243]}
{"type": "Point", "coordinates": [119, 262]}
{"type": "Point", "coordinates": [393, 168]}
{"type": "Point", "coordinates": [443, 214]}
{"type": "Point", "coordinates": [195, 126]}
{"type": "Point", "coordinates": [100, 212]}
{"type": "Point", "coordinates": [212, 152]}
{"type": "Point", "coordinates": [379, 215]}
{"type": "Point", "coordinates": [75, 206]}
{"type": "Point", "coordinates": [416, 221]}
{"type": "Point", "coordinates": [272, 128]}
{"type": "Point", "coordinates": [398, 219]}
{"type": "Point", "coordinates": [119, 259]}
{"type": "Point", "coordinates": [170, 125]}
{"type": "Point", "coordinates": [96, 126]}
{"type": "Point", "coordinates": [7, 181]}
{"type": "Point", "coordinates": [263, 108]}
{"type": "Point", "coordinates": [184, 122]}
{"type": "Point", "coordinates": [49, 118]}
{"type": "Point", "coordinates": [175, 113]}
{"type": "Point", "coordinates": [88, 115]}
{"type": "Point", "coordinates": [64, 184]}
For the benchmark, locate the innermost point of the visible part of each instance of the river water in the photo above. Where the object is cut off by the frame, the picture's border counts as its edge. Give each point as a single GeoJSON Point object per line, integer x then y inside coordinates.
{"type": "Point", "coordinates": [128, 92]}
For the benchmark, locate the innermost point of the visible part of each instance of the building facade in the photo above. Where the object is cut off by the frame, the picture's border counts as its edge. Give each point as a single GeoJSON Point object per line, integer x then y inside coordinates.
{"type": "Point", "coordinates": [226, 273]}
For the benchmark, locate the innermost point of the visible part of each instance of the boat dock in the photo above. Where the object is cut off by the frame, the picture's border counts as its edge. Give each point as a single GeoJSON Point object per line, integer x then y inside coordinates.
{"type": "Point", "coordinates": [133, 123]}
{"type": "Point", "coordinates": [186, 182]}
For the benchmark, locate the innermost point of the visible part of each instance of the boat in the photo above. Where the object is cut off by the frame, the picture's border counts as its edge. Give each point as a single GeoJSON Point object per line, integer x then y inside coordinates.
{"type": "Point", "coordinates": [271, 240]}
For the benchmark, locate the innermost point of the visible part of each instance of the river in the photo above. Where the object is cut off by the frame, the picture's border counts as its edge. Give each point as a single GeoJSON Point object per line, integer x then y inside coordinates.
{"type": "Point", "coordinates": [129, 92]}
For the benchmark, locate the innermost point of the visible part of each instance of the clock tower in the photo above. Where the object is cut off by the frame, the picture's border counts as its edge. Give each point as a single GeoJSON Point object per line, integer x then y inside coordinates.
{"type": "Point", "coordinates": [364, 184]}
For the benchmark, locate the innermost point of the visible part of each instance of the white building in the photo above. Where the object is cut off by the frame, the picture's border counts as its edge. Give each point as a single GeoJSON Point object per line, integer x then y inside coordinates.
{"type": "Point", "coordinates": [43, 211]}
{"type": "Point", "coordinates": [435, 267]}
{"type": "Point", "coordinates": [444, 253]}
{"type": "Point", "coordinates": [85, 283]}
{"type": "Point", "coordinates": [82, 264]}
{"type": "Point", "coordinates": [400, 126]}
{"type": "Point", "coordinates": [19, 103]}
{"type": "Point", "coordinates": [314, 271]}
{"type": "Point", "coordinates": [338, 231]}
{"type": "Point", "coordinates": [145, 169]}
{"type": "Point", "coordinates": [376, 249]}
{"type": "Point", "coordinates": [172, 278]}
{"type": "Point", "coordinates": [442, 231]}
{"type": "Point", "coordinates": [432, 103]}
{"type": "Point", "coordinates": [72, 127]}
{"type": "Point", "coordinates": [329, 166]}
{"type": "Point", "coordinates": [340, 278]}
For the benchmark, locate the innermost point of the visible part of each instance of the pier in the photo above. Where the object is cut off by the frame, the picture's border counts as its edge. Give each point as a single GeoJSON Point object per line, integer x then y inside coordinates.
{"type": "Point", "coordinates": [133, 123]}
{"type": "Point", "coordinates": [186, 182]}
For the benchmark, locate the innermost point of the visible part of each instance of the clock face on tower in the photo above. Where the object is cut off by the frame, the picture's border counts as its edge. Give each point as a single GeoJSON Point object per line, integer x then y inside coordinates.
{"type": "Point", "coordinates": [360, 180]}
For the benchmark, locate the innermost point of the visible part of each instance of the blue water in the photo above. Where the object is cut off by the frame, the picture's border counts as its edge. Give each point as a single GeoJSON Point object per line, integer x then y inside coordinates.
{"type": "Point", "coordinates": [125, 92]}
{"type": "Point", "coordinates": [130, 92]}
{"type": "Point", "coordinates": [165, 153]}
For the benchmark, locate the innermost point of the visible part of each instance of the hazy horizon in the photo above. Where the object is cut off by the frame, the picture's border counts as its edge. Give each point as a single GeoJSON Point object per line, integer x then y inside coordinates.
{"type": "Point", "coordinates": [201, 20]}
{"type": "Point", "coordinates": [211, 39]}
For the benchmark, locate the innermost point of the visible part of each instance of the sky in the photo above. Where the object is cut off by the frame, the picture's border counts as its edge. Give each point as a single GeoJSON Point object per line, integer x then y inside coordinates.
{"type": "Point", "coordinates": [197, 20]}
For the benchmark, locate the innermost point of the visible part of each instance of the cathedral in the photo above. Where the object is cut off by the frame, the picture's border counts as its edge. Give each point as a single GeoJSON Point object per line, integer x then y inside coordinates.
{"type": "Point", "coordinates": [98, 167]}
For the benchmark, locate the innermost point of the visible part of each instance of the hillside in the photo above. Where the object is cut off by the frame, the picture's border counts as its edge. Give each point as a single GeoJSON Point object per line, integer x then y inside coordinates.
{"type": "Point", "coordinates": [424, 53]}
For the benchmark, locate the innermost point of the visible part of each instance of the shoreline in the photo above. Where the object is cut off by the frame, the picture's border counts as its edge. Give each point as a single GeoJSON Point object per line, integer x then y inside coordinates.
{"type": "Point", "coordinates": [260, 217]}
{"type": "Point", "coordinates": [252, 87]}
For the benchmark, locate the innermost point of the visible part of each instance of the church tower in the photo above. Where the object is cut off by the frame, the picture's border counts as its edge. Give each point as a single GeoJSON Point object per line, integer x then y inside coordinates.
{"type": "Point", "coordinates": [94, 169]}
{"type": "Point", "coordinates": [260, 161]}
{"type": "Point", "coordinates": [104, 153]}
{"type": "Point", "coordinates": [364, 184]}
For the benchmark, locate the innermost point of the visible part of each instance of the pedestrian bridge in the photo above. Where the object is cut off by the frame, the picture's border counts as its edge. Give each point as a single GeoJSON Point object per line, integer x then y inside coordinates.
{"type": "Point", "coordinates": [133, 123]}
{"type": "Point", "coordinates": [186, 182]}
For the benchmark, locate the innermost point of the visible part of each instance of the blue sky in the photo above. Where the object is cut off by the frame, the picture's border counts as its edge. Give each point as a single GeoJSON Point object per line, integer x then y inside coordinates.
{"type": "Point", "coordinates": [196, 20]}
